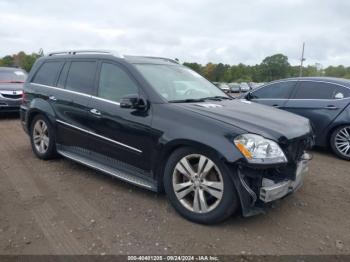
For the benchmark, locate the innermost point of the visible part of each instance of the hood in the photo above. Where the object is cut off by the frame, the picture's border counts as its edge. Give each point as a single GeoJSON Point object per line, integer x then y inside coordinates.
{"type": "Point", "coordinates": [11, 86]}
{"type": "Point", "coordinates": [254, 118]}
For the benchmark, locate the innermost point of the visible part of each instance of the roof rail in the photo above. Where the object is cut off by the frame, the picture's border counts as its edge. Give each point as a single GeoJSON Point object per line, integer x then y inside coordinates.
{"type": "Point", "coordinates": [154, 57]}
{"type": "Point", "coordinates": [75, 52]}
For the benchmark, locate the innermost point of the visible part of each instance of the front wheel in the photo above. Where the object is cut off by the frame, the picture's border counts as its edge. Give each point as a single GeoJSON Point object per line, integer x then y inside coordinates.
{"type": "Point", "coordinates": [199, 187]}
{"type": "Point", "coordinates": [42, 137]}
{"type": "Point", "coordinates": [340, 142]}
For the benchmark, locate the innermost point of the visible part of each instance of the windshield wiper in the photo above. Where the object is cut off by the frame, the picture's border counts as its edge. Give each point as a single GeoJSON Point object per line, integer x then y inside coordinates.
{"type": "Point", "coordinates": [217, 98]}
{"type": "Point", "coordinates": [189, 100]}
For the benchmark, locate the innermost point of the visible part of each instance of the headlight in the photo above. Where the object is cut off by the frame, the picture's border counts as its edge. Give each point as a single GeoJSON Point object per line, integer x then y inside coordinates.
{"type": "Point", "coordinates": [259, 150]}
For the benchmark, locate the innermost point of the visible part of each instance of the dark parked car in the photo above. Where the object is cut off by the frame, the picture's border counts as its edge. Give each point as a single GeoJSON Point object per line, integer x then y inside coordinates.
{"type": "Point", "coordinates": [325, 101]}
{"type": "Point", "coordinates": [125, 116]}
{"type": "Point", "coordinates": [11, 86]}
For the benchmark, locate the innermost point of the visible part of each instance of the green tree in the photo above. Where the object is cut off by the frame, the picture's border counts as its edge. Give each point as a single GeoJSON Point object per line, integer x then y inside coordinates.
{"type": "Point", "coordinates": [21, 59]}
{"type": "Point", "coordinates": [275, 67]}
{"type": "Point", "coordinates": [208, 71]}
{"type": "Point", "coordinates": [6, 61]}
{"type": "Point", "coordinates": [194, 66]}
{"type": "Point", "coordinates": [219, 72]}
{"type": "Point", "coordinates": [336, 71]}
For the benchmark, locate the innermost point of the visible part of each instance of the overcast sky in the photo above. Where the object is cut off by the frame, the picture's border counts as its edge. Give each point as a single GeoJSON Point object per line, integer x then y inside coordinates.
{"type": "Point", "coordinates": [224, 31]}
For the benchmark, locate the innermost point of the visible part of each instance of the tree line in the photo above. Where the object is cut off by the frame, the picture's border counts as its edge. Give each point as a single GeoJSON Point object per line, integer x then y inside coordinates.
{"type": "Point", "coordinates": [271, 68]}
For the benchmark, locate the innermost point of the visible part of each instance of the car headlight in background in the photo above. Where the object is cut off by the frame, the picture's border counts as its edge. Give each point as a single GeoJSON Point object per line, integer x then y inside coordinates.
{"type": "Point", "coordinates": [259, 150]}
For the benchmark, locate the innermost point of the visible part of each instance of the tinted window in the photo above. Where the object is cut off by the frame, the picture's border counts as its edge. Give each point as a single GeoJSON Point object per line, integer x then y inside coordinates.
{"type": "Point", "coordinates": [47, 73]}
{"type": "Point", "coordinates": [115, 83]}
{"type": "Point", "coordinates": [315, 90]}
{"type": "Point", "coordinates": [81, 76]}
{"type": "Point", "coordinates": [280, 90]}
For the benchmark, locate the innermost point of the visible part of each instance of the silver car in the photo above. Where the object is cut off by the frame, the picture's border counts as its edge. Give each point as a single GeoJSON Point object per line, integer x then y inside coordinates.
{"type": "Point", "coordinates": [11, 88]}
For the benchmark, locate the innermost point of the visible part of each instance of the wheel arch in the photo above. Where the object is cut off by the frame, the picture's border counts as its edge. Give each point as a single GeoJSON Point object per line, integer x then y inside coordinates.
{"type": "Point", "coordinates": [171, 147]}
{"type": "Point", "coordinates": [39, 106]}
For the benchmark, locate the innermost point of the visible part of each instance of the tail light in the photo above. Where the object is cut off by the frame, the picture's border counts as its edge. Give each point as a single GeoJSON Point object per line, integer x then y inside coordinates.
{"type": "Point", "coordinates": [24, 98]}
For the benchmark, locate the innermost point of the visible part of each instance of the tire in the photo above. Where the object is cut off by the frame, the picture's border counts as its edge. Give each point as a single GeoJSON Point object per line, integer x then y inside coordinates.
{"type": "Point", "coordinates": [340, 142]}
{"type": "Point", "coordinates": [43, 140]}
{"type": "Point", "coordinates": [213, 209]}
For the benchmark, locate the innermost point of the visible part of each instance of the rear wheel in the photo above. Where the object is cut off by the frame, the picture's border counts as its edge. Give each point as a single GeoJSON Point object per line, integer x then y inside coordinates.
{"type": "Point", "coordinates": [340, 142]}
{"type": "Point", "coordinates": [42, 137]}
{"type": "Point", "coordinates": [199, 187]}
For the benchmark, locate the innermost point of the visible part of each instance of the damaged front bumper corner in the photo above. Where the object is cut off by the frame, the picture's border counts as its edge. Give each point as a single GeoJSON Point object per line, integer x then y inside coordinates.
{"type": "Point", "coordinates": [271, 191]}
{"type": "Point", "coordinates": [259, 187]}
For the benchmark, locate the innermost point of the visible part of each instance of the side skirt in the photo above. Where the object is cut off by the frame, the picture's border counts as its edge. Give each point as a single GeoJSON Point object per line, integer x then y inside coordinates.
{"type": "Point", "coordinates": [109, 166]}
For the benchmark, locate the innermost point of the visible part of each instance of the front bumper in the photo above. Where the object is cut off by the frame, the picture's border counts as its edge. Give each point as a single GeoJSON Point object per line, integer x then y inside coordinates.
{"type": "Point", "coordinates": [271, 191]}
{"type": "Point", "coordinates": [7, 105]}
{"type": "Point", "coordinates": [259, 187]}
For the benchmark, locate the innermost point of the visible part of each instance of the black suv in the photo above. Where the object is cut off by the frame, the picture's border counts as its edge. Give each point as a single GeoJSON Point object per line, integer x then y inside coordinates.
{"type": "Point", "coordinates": [159, 125]}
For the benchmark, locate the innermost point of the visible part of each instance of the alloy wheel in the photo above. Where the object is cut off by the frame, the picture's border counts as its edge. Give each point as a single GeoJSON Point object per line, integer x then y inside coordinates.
{"type": "Point", "coordinates": [342, 141]}
{"type": "Point", "coordinates": [198, 183]}
{"type": "Point", "coordinates": [41, 136]}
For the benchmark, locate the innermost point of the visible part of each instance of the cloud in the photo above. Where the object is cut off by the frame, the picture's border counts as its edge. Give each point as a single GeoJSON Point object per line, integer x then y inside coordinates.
{"type": "Point", "coordinates": [198, 30]}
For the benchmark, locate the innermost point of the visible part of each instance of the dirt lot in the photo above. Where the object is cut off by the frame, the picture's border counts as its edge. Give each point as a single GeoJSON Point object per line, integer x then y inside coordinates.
{"type": "Point", "coordinates": [60, 207]}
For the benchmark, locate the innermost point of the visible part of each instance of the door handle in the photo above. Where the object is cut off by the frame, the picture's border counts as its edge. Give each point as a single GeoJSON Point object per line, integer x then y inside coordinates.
{"type": "Point", "coordinates": [95, 112]}
{"type": "Point", "coordinates": [277, 106]}
{"type": "Point", "coordinates": [331, 107]}
{"type": "Point", "coordinates": [52, 98]}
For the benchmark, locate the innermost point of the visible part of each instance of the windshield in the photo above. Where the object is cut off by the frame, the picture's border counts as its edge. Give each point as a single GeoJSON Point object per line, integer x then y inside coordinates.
{"type": "Point", "coordinates": [177, 83]}
{"type": "Point", "coordinates": [12, 76]}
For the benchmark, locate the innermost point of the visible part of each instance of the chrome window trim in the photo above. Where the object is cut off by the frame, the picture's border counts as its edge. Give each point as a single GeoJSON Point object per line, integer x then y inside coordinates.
{"type": "Point", "coordinates": [297, 80]}
{"type": "Point", "coordinates": [78, 93]}
{"type": "Point", "coordinates": [99, 136]}
{"type": "Point", "coordinates": [62, 89]}
{"type": "Point", "coordinates": [106, 100]}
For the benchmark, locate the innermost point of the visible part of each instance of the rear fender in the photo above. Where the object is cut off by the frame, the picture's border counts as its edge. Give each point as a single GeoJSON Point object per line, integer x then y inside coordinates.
{"type": "Point", "coordinates": [40, 106]}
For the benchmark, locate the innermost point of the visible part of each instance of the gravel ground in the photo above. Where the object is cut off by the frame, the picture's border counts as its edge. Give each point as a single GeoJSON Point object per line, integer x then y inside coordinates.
{"type": "Point", "coordinates": [60, 207]}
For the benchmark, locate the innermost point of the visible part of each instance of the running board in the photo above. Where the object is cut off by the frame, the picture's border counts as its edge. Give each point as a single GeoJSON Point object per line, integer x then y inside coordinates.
{"type": "Point", "coordinates": [122, 175]}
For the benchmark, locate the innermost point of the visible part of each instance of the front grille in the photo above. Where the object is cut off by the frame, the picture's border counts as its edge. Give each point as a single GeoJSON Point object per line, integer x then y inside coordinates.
{"type": "Point", "coordinates": [296, 148]}
{"type": "Point", "coordinates": [12, 96]}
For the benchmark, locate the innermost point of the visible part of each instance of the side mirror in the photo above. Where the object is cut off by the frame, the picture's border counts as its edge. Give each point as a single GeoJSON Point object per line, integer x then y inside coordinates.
{"type": "Point", "coordinates": [133, 101]}
{"type": "Point", "coordinates": [248, 96]}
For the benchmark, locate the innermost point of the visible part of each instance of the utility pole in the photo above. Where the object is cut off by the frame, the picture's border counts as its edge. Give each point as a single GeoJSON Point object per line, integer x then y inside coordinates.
{"type": "Point", "coordinates": [302, 59]}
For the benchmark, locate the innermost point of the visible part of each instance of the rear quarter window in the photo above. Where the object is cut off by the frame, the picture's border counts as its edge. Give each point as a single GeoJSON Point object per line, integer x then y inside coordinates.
{"type": "Point", "coordinates": [47, 74]}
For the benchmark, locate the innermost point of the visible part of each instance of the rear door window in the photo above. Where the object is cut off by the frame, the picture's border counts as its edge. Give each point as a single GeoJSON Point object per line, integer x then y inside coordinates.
{"type": "Point", "coordinates": [281, 90]}
{"type": "Point", "coordinates": [315, 90]}
{"type": "Point", "coordinates": [81, 76]}
{"type": "Point", "coordinates": [48, 73]}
